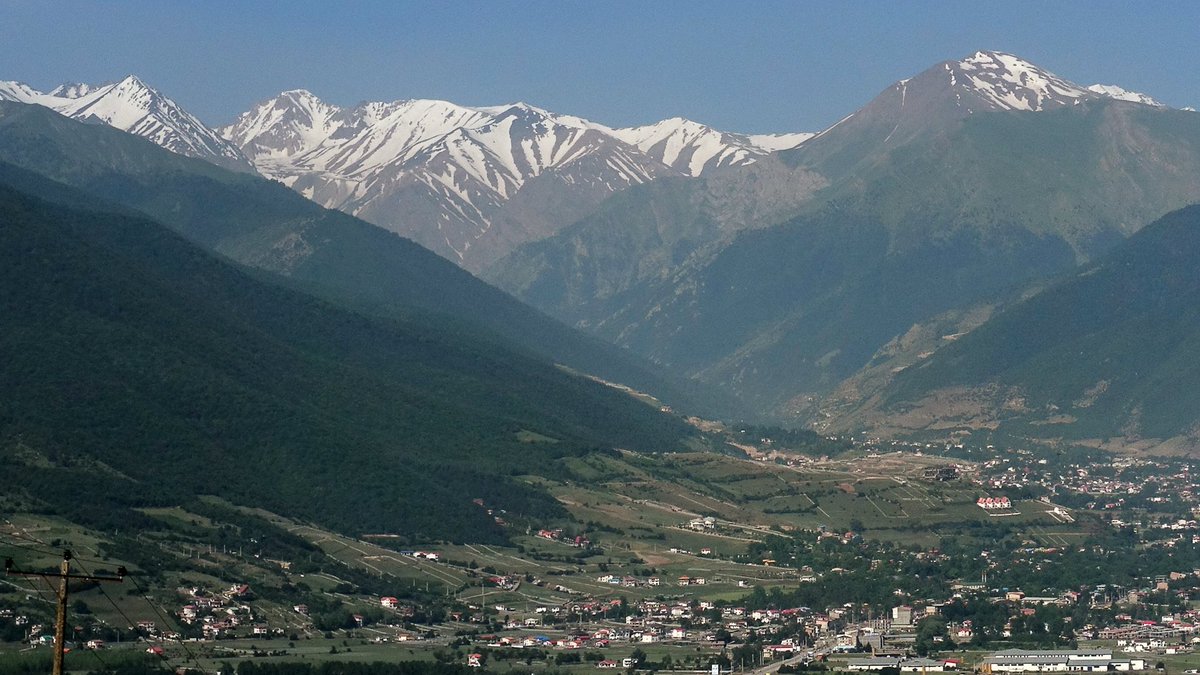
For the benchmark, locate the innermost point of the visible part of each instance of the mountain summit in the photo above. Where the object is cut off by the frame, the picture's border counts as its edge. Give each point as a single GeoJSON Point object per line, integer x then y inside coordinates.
{"type": "Point", "coordinates": [942, 96]}
{"type": "Point", "coordinates": [133, 106]}
{"type": "Point", "coordinates": [999, 81]}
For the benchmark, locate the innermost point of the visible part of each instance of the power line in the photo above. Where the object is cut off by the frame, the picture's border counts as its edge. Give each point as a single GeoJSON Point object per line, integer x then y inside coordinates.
{"type": "Point", "coordinates": [41, 595]}
{"type": "Point", "coordinates": [128, 621]}
{"type": "Point", "coordinates": [191, 656]}
{"type": "Point", "coordinates": [64, 577]}
{"type": "Point", "coordinates": [27, 547]}
{"type": "Point", "coordinates": [46, 551]}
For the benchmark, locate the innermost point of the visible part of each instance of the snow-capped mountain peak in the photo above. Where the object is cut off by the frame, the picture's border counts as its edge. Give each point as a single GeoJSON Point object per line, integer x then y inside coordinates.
{"type": "Point", "coordinates": [1006, 82]}
{"type": "Point", "coordinates": [133, 106]}
{"type": "Point", "coordinates": [988, 80]}
{"type": "Point", "coordinates": [287, 125]}
{"type": "Point", "coordinates": [19, 91]}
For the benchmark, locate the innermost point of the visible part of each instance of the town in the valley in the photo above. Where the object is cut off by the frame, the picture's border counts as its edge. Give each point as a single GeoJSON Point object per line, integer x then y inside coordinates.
{"type": "Point", "coordinates": [911, 558]}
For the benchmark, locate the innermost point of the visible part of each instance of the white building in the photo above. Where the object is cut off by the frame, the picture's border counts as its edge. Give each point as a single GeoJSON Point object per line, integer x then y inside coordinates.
{"type": "Point", "coordinates": [1061, 660]}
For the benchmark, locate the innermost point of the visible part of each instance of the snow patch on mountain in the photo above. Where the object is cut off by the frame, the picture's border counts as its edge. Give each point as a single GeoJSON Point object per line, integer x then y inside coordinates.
{"type": "Point", "coordinates": [777, 142]}
{"type": "Point", "coordinates": [1010, 83]}
{"type": "Point", "coordinates": [693, 148]}
{"type": "Point", "coordinates": [1121, 94]}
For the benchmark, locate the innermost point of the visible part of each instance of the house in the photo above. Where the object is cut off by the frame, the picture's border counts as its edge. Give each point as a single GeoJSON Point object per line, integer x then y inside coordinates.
{"type": "Point", "coordinates": [606, 664]}
{"type": "Point", "coordinates": [95, 644]}
{"type": "Point", "coordinates": [771, 652]}
{"type": "Point", "coordinates": [475, 660]}
{"type": "Point", "coordinates": [155, 651]}
{"type": "Point", "coordinates": [389, 602]}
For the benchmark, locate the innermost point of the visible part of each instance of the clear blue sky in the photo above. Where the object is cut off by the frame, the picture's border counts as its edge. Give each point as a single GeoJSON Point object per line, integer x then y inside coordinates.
{"type": "Point", "coordinates": [741, 65]}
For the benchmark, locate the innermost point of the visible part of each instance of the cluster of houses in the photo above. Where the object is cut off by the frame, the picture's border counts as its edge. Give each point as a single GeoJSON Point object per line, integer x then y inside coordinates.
{"type": "Point", "coordinates": [220, 614]}
{"type": "Point", "coordinates": [1170, 635]}
{"type": "Point", "coordinates": [993, 503]}
{"type": "Point", "coordinates": [556, 534]}
{"type": "Point", "coordinates": [1110, 484]}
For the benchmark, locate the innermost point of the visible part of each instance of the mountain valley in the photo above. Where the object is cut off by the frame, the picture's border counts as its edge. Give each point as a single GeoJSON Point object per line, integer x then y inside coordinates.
{"type": "Point", "coordinates": [422, 388]}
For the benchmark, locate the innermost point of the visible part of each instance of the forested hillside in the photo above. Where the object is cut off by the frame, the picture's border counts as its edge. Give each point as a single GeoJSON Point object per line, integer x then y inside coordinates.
{"type": "Point", "coordinates": [165, 372]}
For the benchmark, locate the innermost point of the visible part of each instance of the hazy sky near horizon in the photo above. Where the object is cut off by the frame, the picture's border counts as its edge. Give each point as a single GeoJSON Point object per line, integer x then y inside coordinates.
{"type": "Point", "coordinates": [751, 66]}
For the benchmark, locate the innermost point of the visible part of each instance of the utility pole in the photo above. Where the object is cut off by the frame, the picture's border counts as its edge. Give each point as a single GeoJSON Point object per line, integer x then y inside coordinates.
{"type": "Point", "coordinates": [64, 576]}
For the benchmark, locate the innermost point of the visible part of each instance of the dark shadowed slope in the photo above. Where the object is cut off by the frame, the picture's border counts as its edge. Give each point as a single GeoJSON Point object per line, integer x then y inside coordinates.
{"type": "Point", "coordinates": [173, 372]}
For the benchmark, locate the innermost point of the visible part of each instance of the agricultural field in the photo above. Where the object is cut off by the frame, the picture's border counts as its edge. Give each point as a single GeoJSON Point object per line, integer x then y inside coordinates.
{"type": "Point", "coordinates": [668, 528]}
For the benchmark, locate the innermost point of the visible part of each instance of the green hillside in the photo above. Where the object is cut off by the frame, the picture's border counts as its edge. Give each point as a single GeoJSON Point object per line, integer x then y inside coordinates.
{"type": "Point", "coordinates": [140, 369]}
{"type": "Point", "coordinates": [957, 210]}
{"type": "Point", "coordinates": [1111, 351]}
{"type": "Point", "coordinates": [265, 225]}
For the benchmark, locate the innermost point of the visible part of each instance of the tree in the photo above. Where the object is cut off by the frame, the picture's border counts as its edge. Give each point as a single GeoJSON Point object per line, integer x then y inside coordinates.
{"type": "Point", "coordinates": [930, 631]}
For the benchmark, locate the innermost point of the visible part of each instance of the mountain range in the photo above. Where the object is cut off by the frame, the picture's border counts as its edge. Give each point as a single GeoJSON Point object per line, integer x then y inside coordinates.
{"type": "Point", "coordinates": [796, 273]}
{"type": "Point", "coordinates": [471, 183]}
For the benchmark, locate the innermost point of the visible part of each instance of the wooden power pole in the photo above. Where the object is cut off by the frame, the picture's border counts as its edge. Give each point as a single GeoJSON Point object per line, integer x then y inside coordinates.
{"type": "Point", "coordinates": [60, 621]}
